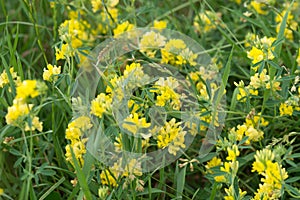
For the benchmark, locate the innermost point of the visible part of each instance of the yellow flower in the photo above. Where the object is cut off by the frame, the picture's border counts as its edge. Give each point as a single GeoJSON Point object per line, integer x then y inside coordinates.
{"type": "Point", "coordinates": [186, 56]}
{"type": "Point", "coordinates": [220, 178]}
{"type": "Point", "coordinates": [160, 24]}
{"type": "Point", "coordinates": [97, 4]}
{"type": "Point", "coordinates": [253, 134]}
{"type": "Point", "coordinates": [112, 84]}
{"type": "Point", "coordinates": [273, 175]}
{"type": "Point", "coordinates": [256, 55]}
{"type": "Point", "coordinates": [101, 105]}
{"type": "Point", "coordinates": [172, 49]}
{"type": "Point", "coordinates": [133, 123]}
{"type": "Point", "coordinates": [123, 27]}
{"type": "Point", "coordinates": [18, 110]}
{"type": "Point", "coordinates": [241, 129]}
{"type": "Point", "coordinates": [206, 21]}
{"type": "Point", "coordinates": [151, 42]}
{"type": "Point", "coordinates": [78, 149]}
{"type": "Point", "coordinates": [285, 109]}
{"type": "Point", "coordinates": [165, 92]}
{"type": "Point", "coordinates": [213, 163]}
{"type": "Point", "coordinates": [233, 152]}
{"type": "Point", "coordinates": [229, 198]}
{"type": "Point", "coordinates": [175, 46]}
{"type": "Point", "coordinates": [171, 135]}
{"type": "Point", "coordinates": [103, 191]}
{"type": "Point", "coordinates": [261, 50]}
{"type": "Point", "coordinates": [134, 69]}
{"type": "Point", "coordinates": [50, 72]}
{"type": "Point", "coordinates": [226, 167]}
{"type": "Point", "coordinates": [35, 124]}
{"type": "Point", "coordinates": [292, 24]}
{"type": "Point", "coordinates": [60, 54]}
{"type": "Point", "coordinates": [1, 191]}
{"type": "Point", "coordinates": [133, 168]}
{"type": "Point", "coordinates": [259, 7]}
{"type": "Point", "coordinates": [258, 166]}
{"type": "Point", "coordinates": [231, 194]}
{"type": "Point", "coordinates": [77, 127]}
{"type": "Point", "coordinates": [254, 120]}
{"type": "Point", "coordinates": [4, 77]}
{"type": "Point", "coordinates": [108, 179]}
{"type": "Point", "coordinates": [242, 94]}
{"type": "Point", "coordinates": [261, 158]}
{"type": "Point", "coordinates": [27, 88]}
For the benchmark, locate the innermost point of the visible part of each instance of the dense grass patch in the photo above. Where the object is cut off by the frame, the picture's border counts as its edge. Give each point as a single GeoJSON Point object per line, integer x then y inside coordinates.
{"type": "Point", "coordinates": [181, 100]}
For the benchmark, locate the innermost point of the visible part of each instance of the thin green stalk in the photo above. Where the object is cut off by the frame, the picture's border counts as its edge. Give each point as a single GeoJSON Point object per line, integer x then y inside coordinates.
{"type": "Point", "coordinates": [181, 6]}
{"type": "Point", "coordinates": [32, 15]}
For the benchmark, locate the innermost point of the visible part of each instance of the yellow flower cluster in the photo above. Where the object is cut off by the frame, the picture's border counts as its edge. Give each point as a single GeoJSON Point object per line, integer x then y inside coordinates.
{"type": "Point", "coordinates": [171, 135]}
{"type": "Point", "coordinates": [133, 123]}
{"type": "Point", "coordinates": [164, 88]}
{"type": "Point", "coordinates": [103, 191]}
{"type": "Point", "coordinates": [50, 74]}
{"type": "Point", "coordinates": [160, 24]}
{"type": "Point", "coordinates": [134, 70]}
{"type": "Point", "coordinates": [106, 21]}
{"type": "Point", "coordinates": [4, 80]}
{"type": "Point", "coordinates": [97, 4]}
{"type": "Point", "coordinates": [286, 109]}
{"type": "Point", "coordinates": [244, 91]}
{"type": "Point", "coordinates": [101, 104]}
{"type": "Point", "coordinates": [261, 6]}
{"type": "Point", "coordinates": [262, 49]}
{"type": "Point", "coordinates": [151, 42]}
{"type": "Point", "coordinates": [262, 80]}
{"type": "Point", "coordinates": [20, 109]}
{"type": "Point", "coordinates": [257, 81]}
{"type": "Point", "coordinates": [118, 170]}
{"type": "Point", "coordinates": [291, 104]}
{"type": "Point", "coordinates": [132, 78]}
{"type": "Point", "coordinates": [78, 32]}
{"type": "Point", "coordinates": [250, 128]}
{"type": "Point", "coordinates": [215, 162]}
{"type": "Point", "coordinates": [292, 24]}
{"type": "Point", "coordinates": [273, 175]}
{"type": "Point", "coordinates": [119, 142]}
{"type": "Point", "coordinates": [123, 27]}
{"type": "Point", "coordinates": [74, 133]}
{"type": "Point", "coordinates": [175, 52]}
{"type": "Point", "coordinates": [72, 33]}
{"type": "Point", "coordinates": [199, 78]}
{"type": "Point", "coordinates": [17, 112]}
{"type": "Point", "coordinates": [230, 167]}
{"type": "Point", "coordinates": [231, 194]}
{"type": "Point", "coordinates": [26, 89]}
{"type": "Point", "coordinates": [206, 21]}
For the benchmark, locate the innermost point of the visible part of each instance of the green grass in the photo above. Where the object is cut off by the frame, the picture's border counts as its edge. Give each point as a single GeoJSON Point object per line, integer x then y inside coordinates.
{"type": "Point", "coordinates": [33, 164]}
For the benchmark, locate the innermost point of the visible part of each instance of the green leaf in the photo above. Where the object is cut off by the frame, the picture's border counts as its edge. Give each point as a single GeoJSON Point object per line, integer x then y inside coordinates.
{"type": "Point", "coordinates": [148, 192]}
{"type": "Point", "coordinates": [280, 36]}
{"type": "Point", "coordinates": [81, 177]}
{"type": "Point", "coordinates": [213, 191]}
{"type": "Point", "coordinates": [295, 155]}
{"type": "Point", "coordinates": [180, 181]}
{"type": "Point", "coordinates": [48, 172]}
{"type": "Point", "coordinates": [292, 180]}
{"type": "Point", "coordinates": [292, 189]}
{"type": "Point", "coordinates": [49, 194]}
